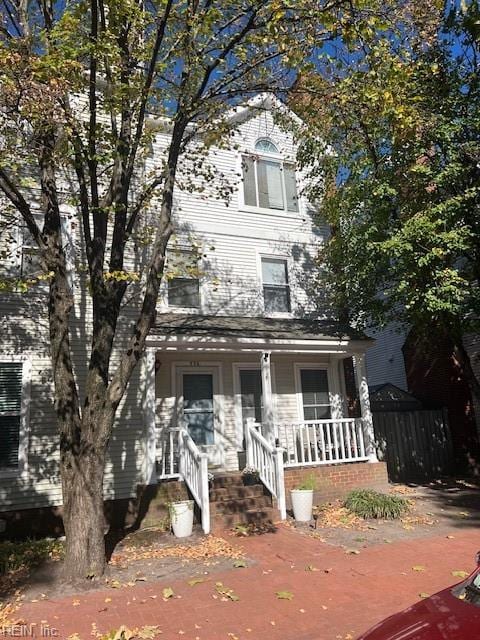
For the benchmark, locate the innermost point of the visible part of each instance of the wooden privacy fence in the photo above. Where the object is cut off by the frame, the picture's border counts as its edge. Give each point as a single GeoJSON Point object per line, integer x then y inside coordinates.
{"type": "Point", "coordinates": [416, 445]}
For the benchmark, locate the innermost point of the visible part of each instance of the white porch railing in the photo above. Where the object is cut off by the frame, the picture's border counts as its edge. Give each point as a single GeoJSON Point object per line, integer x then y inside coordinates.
{"type": "Point", "coordinates": [268, 461]}
{"type": "Point", "coordinates": [167, 454]}
{"type": "Point", "coordinates": [194, 470]}
{"type": "Point", "coordinates": [316, 442]}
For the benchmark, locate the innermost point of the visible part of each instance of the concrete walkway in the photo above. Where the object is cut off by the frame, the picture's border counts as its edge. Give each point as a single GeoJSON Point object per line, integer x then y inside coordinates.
{"type": "Point", "coordinates": [342, 597]}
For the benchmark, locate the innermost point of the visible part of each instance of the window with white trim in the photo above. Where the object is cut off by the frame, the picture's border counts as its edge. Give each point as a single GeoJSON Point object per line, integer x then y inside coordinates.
{"type": "Point", "coordinates": [11, 390]}
{"type": "Point", "coordinates": [251, 394]}
{"type": "Point", "coordinates": [276, 289]}
{"type": "Point", "coordinates": [269, 182]}
{"type": "Point", "coordinates": [315, 394]}
{"type": "Point", "coordinates": [20, 253]}
{"type": "Point", "coordinates": [183, 279]}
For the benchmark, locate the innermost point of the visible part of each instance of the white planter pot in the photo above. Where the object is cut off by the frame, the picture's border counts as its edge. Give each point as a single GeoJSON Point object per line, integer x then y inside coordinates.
{"type": "Point", "coordinates": [302, 504]}
{"type": "Point", "coordinates": [181, 515]}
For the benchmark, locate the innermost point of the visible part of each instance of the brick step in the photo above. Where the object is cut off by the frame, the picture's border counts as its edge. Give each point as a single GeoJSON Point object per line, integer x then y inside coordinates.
{"type": "Point", "coordinates": [260, 517]}
{"type": "Point", "coordinates": [233, 491]}
{"type": "Point", "coordinates": [224, 480]}
{"type": "Point", "coordinates": [239, 505]}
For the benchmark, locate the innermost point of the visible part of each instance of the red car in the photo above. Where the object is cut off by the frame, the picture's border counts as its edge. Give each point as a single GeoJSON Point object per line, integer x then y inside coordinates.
{"type": "Point", "coordinates": [451, 614]}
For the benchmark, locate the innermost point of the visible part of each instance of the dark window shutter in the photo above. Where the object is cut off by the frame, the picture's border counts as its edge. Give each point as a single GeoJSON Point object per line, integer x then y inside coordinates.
{"type": "Point", "coordinates": [10, 412]}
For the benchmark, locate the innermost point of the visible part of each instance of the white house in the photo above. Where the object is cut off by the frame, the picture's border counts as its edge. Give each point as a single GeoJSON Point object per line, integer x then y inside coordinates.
{"type": "Point", "coordinates": [241, 363]}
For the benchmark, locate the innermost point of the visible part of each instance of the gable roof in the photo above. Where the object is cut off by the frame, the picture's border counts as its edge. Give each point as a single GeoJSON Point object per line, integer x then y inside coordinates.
{"type": "Point", "coordinates": [244, 111]}
{"type": "Point", "coordinates": [257, 104]}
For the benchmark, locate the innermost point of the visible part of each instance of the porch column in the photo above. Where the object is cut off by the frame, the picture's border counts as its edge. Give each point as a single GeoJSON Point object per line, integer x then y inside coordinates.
{"type": "Point", "coordinates": [149, 413]}
{"type": "Point", "coordinates": [267, 411]}
{"type": "Point", "coordinates": [362, 384]}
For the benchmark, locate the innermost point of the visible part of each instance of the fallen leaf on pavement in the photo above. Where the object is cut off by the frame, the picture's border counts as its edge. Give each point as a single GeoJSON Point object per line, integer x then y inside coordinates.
{"type": "Point", "coordinates": [239, 563]}
{"type": "Point", "coordinates": [167, 593]}
{"type": "Point", "coordinates": [225, 592]}
{"type": "Point", "coordinates": [195, 581]}
{"type": "Point", "coordinates": [460, 574]}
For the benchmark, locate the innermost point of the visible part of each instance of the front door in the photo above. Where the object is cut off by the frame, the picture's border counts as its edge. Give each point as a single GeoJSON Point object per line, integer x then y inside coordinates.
{"type": "Point", "coordinates": [199, 412]}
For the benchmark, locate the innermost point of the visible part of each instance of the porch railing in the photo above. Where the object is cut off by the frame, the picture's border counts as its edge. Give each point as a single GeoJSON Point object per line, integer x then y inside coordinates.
{"type": "Point", "coordinates": [268, 461]}
{"type": "Point", "coordinates": [168, 454]}
{"type": "Point", "coordinates": [316, 442]}
{"type": "Point", "coordinates": [194, 470]}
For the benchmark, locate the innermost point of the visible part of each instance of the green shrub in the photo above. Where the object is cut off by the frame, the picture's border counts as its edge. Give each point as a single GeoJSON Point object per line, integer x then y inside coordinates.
{"type": "Point", "coordinates": [308, 483]}
{"type": "Point", "coordinates": [28, 554]}
{"type": "Point", "coordinates": [367, 503]}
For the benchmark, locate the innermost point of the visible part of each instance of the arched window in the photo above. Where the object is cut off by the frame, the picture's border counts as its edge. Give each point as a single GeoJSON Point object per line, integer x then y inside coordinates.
{"type": "Point", "coordinates": [265, 145]}
{"type": "Point", "coordinates": [269, 182]}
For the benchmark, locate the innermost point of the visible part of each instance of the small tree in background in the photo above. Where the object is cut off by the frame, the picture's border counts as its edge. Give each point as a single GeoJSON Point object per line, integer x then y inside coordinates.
{"type": "Point", "coordinates": [393, 154]}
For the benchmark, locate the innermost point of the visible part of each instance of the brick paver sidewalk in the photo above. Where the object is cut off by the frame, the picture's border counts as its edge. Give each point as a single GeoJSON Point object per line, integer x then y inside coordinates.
{"type": "Point", "coordinates": [346, 595]}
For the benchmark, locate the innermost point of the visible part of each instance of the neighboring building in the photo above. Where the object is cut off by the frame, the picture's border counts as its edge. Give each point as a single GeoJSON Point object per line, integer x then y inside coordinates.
{"type": "Point", "coordinates": [384, 360]}
{"type": "Point", "coordinates": [240, 359]}
{"type": "Point", "coordinates": [430, 372]}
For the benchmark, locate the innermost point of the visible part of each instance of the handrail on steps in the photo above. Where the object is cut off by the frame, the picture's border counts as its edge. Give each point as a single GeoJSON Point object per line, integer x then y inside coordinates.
{"type": "Point", "coordinates": [193, 467]}
{"type": "Point", "coordinates": [268, 461]}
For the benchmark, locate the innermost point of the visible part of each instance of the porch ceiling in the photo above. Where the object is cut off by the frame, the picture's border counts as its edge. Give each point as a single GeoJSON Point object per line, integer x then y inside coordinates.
{"type": "Point", "coordinates": [237, 333]}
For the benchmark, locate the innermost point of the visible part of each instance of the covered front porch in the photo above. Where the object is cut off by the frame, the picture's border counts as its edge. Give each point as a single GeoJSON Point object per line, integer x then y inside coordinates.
{"type": "Point", "coordinates": [223, 392]}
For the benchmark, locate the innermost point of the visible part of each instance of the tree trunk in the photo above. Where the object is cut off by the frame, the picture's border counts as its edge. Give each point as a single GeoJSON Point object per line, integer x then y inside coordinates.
{"type": "Point", "coordinates": [83, 513]}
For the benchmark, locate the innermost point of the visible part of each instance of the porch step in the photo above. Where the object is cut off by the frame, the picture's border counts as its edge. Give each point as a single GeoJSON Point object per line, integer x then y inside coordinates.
{"type": "Point", "coordinates": [260, 517]}
{"type": "Point", "coordinates": [234, 491]}
{"type": "Point", "coordinates": [225, 480]}
{"type": "Point", "coordinates": [232, 503]}
{"type": "Point", "coordinates": [240, 505]}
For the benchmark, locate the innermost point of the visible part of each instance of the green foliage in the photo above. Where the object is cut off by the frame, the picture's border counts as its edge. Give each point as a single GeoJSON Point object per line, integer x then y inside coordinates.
{"type": "Point", "coordinates": [367, 503]}
{"type": "Point", "coordinates": [308, 483]}
{"type": "Point", "coordinates": [394, 158]}
{"type": "Point", "coordinates": [28, 554]}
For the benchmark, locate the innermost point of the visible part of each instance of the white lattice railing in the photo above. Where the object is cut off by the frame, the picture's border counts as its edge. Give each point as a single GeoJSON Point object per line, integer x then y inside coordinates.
{"type": "Point", "coordinates": [193, 468]}
{"type": "Point", "coordinates": [268, 461]}
{"type": "Point", "coordinates": [316, 442]}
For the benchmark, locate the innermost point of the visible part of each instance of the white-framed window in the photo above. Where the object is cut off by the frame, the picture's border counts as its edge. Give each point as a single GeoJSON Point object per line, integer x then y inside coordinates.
{"type": "Point", "coordinates": [183, 285]}
{"type": "Point", "coordinates": [269, 181]}
{"type": "Point", "coordinates": [14, 410]}
{"type": "Point", "coordinates": [315, 393]}
{"type": "Point", "coordinates": [21, 254]}
{"type": "Point", "coordinates": [276, 288]}
{"type": "Point", "coordinates": [248, 393]}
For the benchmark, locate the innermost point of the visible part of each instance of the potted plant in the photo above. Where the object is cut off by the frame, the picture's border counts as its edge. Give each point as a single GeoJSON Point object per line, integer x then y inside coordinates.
{"type": "Point", "coordinates": [181, 517]}
{"type": "Point", "coordinates": [302, 499]}
{"type": "Point", "coordinates": [250, 476]}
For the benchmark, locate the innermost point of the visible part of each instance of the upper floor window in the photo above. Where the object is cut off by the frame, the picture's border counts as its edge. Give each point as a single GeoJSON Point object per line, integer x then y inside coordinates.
{"type": "Point", "coordinates": [20, 252]}
{"type": "Point", "coordinates": [21, 255]}
{"type": "Point", "coordinates": [183, 280]}
{"type": "Point", "coordinates": [276, 290]}
{"type": "Point", "coordinates": [268, 181]}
